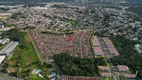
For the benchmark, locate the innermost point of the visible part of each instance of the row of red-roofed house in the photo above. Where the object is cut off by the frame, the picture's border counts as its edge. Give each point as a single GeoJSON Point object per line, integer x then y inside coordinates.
{"type": "Point", "coordinates": [80, 78]}
{"type": "Point", "coordinates": [104, 71]}
{"type": "Point", "coordinates": [96, 42]}
{"type": "Point", "coordinates": [106, 74]}
{"type": "Point", "coordinates": [98, 51]}
{"type": "Point", "coordinates": [40, 44]}
{"type": "Point", "coordinates": [81, 44]}
{"type": "Point", "coordinates": [86, 45]}
{"type": "Point", "coordinates": [108, 42]}
{"type": "Point", "coordinates": [130, 75]}
{"type": "Point", "coordinates": [110, 46]}
{"type": "Point", "coordinates": [75, 40]}
{"type": "Point", "coordinates": [122, 68]}
{"type": "Point", "coordinates": [103, 68]}
{"type": "Point", "coordinates": [97, 47]}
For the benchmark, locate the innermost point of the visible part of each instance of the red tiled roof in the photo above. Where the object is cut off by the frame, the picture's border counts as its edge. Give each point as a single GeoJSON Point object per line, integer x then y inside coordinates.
{"type": "Point", "coordinates": [130, 75]}
{"type": "Point", "coordinates": [108, 42]}
{"type": "Point", "coordinates": [80, 78]}
{"type": "Point", "coordinates": [98, 50]}
{"type": "Point", "coordinates": [122, 68]}
{"type": "Point", "coordinates": [96, 41]}
{"type": "Point", "coordinates": [114, 51]}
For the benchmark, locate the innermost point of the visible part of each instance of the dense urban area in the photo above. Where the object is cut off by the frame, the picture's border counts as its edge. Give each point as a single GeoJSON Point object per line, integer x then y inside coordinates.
{"type": "Point", "coordinates": [71, 40]}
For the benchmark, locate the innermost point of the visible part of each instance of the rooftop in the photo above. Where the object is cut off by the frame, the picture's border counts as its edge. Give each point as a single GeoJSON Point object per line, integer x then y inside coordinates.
{"type": "Point", "coordinates": [2, 57]}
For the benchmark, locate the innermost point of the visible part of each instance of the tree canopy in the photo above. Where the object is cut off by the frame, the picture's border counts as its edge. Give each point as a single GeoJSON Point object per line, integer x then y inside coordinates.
{"type": "Point", "coordinates": [13, 34]}
{"type": "Point", "coordinates": [75, 66]}
{"type": "Point", "coordinates": [128, 56]}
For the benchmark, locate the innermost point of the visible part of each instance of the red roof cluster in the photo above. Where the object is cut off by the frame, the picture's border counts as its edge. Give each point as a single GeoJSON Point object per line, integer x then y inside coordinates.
{"type": "Point", "coordinates": [77, 44]}
{"type": "Point", "coordinates": [40, 44]}
{"type": "Point", "coordinates": [96, 42]}
{"type": "Point", "coordinates": [57, 43]}
{"type": "Point", "coordinates": [130, 75]}
{"type": "Point", "coordinates": [81, 44]}
{"type": "Point", "coordinates": [110, 46]}
{"type": "Point", "coordinates": [97, 47]}
{"type": "Point", "coordinates": [80, 78]}
{"type": "Point", "coordinates": [106, 74]}
{"type": "Point", "coordinates": [69, 38]}
{"type": "Point", "coordinates": [103, 68]}
{"type": "Point", "coordinates": [108, 42]}
{"type": "Point", "coordinates": [122, 68]}
{"type": "Point", "coordinates": [98, 51]}
{"type": "Point", "coordinates": [113, 51]}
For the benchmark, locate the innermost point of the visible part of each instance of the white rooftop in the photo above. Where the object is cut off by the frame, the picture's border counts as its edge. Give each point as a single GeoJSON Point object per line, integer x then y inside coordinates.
{"type": "Point", "coordinates": [1, 59]}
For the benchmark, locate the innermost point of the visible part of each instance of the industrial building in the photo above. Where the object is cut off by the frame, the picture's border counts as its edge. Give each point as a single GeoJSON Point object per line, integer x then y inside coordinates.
{"type": "Point", "coordinates": [7, 50]}
{"type": "Point", "coordinates": [4, 41]}
{"type": "Point", "coordinates": [2, 57]}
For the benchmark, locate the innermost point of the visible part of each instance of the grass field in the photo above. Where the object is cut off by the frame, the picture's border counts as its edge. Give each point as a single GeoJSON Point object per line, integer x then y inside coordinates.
{"type": "Point", "coordinates": [24, 59]}
{"type": "Point", "coordinates": [72, 22]}
{"type": "Point", "coordinates": [29, 28]}
{"type": "Point", "coordinates": [106, 79]}
{"type": "Point", "coordinates": [1, 46]}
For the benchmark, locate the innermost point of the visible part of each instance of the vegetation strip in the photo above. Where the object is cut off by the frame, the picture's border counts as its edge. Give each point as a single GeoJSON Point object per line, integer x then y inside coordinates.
{"type": "Point", "coordinates": [42, 65]}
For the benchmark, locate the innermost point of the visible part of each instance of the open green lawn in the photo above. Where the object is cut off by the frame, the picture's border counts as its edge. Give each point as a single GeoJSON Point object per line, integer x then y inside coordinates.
{"type": "Point", "coordinates": [72, 22]}
{"type": "Point", "coordinates": [29, 28]}
{"type": "Point", "coordinates": [106, 79]}
{"type": "Point", "coordinates": [1, 46]}
{"type": "Point", "coordinates": [35, 77]}
{"type": "Point", "coordinates": [24, 58]}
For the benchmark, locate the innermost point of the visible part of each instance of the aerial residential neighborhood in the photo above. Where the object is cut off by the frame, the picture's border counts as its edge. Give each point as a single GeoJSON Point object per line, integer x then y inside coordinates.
{"type": "Point", "coordinates": [70, 40]}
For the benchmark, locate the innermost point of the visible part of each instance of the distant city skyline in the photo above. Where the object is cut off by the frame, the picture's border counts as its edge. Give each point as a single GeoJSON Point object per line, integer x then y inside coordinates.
{"type": "Point", "coordinates": [34, 1]}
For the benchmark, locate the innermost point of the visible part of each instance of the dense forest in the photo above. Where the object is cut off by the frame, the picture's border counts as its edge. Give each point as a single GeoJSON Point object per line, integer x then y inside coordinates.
{"type": "Point", "coordinates": [13, 34]}
{"type": "Point", "coordinates": [76, 66]}
{"type": "Point", "coordinates": [128, 56]}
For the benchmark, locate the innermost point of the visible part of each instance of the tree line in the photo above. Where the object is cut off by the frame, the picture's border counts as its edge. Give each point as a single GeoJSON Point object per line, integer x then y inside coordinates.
{"type": "Point", "coordinates": [76, 66]}
{"type": "Point", "coordinates": [128, 56]}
